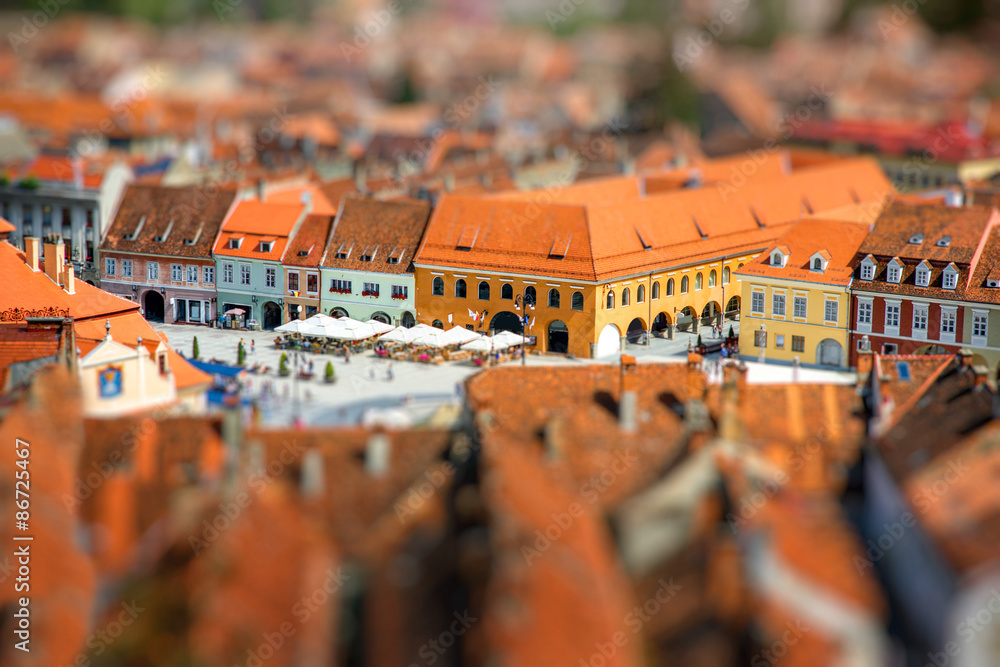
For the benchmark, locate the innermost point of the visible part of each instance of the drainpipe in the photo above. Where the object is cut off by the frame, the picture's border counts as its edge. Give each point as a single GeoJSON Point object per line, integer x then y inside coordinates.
{"type": "Point", "coordinates": [649, 316]}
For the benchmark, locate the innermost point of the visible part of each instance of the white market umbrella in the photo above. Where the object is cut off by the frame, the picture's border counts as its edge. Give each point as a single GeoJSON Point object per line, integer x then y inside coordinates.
{"type": "Point", "coordinates": [404, 335]}
{"type": "Point", "coordinates": [379, 327]}
{"type": "Point", "coordinates": [328, 329]}
{"type": "Point", "coordinates": [459, 335]}
{"type": "Point", "coordinates": [435, 338]}
{"type": "Point", "coordinates": [484, 344]}
{"type": "Point", "coordinates": [509, 338]}
{"type": "Point", "coordinates": [294, 326]}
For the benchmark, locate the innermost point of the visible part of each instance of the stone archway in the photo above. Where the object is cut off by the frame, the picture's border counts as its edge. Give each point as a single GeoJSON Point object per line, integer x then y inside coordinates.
{"type": "Point", "coordinates": [153, 307]}
{"type": "Point", "coordinates": [272, 315]}
{"type": "Point", "coordinates": [379, 316]}
{"type": "Point", "coordinates": [662, 325]}
{"type": "Point", "coordinates": [558, 338]}
{"type": "Point", "coordinates": [609, 342]}
{"type": "Point", "coordinates": [636, 331]}
{"type": "Point", "coordinates": [829, 353]}
{"type": "Point", "coordinates": [686, 320]}
{"type": "Point", "coordinates": [710, 314]}
{"type": "Point", "coordinates": [338, 312]}
{"type": "Point", "coordinates": [408, 320]}
{"type": "Point", "coordinates": [733, 308]}
{"type": "Point", "coordinates": [506, 321]}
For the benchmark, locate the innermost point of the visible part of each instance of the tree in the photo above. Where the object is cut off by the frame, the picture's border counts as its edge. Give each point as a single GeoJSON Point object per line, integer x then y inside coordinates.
{"type": "Point", "coordinates": [699, 340]}
{"type": "Point", "coordinates": [241, 355]}
{"type": "Point", "coordinates": [194, 348]}
{"type": "Point", "coordinates": [330, 376]}
{"type": "Point", "coordinates": [283, 364]}
{"type": "Point", "coordinates": [732, 334]}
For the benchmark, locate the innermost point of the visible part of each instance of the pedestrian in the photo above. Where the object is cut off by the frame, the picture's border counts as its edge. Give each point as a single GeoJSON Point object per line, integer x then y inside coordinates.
{"type": "Point", "coordinates": [310, 366]}
{"type": "Point", "coordinates": [253, 347]}
{"type": "Point", "coordinates": [347, 356]}
{"type": "Point", "coordinates": [388, 373]}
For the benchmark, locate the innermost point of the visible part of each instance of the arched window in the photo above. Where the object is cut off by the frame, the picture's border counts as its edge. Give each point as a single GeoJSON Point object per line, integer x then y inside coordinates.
{"type": "Point", "coordinates": [711, 278]}
{"type": "Point", "coordinates": [576, 303]}
{"type": "Point", "coordinates": [529, 295]}
{"type": "Point", "coordinates": [697, 281]}
{"type": "Point", "coordinates": [460, 288]}
{"type": "Point", "coordinates": [640, 294]}
{"type": "Point", "coordinates": [506, 291]}
{"type": "Point", "coordinates": [437, 287]}
{"type": "Point", "coordinates": [437, 324]}
{"type": "Point", "coordinates": [725, 275]}
{"type": "Point", "coordinates": [553, 298]}
{"type": "Point", "coordinates": [684, 285]}
{"type": "Point", "coordinates": [739, 266]}
{"type": "Point", "coordinates": [626, 297]}
{"type": "Point", "coordinates": [670, 287]}
{"type": "Point", "coordinates": [817, 264]}
{"type": "Point", "coordinates": [655, 291]}
{"type": "Point", "coordinates": [611, 300]}
{"type": "Point", "coordinates": [484, 291]}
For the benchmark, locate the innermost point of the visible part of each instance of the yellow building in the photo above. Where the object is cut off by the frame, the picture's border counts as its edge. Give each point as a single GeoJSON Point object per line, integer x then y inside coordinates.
{"type": "Point", "coordinates": [796, 297]}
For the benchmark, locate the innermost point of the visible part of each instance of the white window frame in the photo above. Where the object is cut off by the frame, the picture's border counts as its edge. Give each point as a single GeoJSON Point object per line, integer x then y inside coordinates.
{"type": "Point", "coordinates": [866, 313]}
{"type": "Point", "coordinates": [289, 277]}
{"type": "Point", "coordinates": [270, 276]}
{"type": "Point", "coordinates": [795, 306]}
{"type": "Point", "coordinates": [126, 268]}
{"type": "Point", "coordinates": [921, 315]}
{"type": "Point", "coordinates": [894, 273]}
{"type": "Point", "coordinates": [176, 273]}
{"type": "Point", "coordinates": [980, 316]}
{"type": "Point", "coordinates": [949, 315]}
{"type": "Point", "coordinates": [867, 270]}
{"type": "Point", "coordinates": [110, 266]}
{"type": "Point", "coordinates": [312, 275]}
{"type": "Point", "coordinates": [827, 302]}
{"type": "Point", "coordinates": [949, 276]}
{"type": "Point", "coordinates": [246, 274]}
{"type": "Point", "coordinates": [228, 273]}
{"type": "Point", "coordinates": [892, 306]}
{"type": "Point", "coordinates": [396, 290]}
{"type": "Point", "coordinates": [192, 270]}
{"type": "Point", "coordinates": [774, 302]}
{"type": "Point", "coordinates": [753, 297]}
{"type": "Point", "coordinates": [208, 275]}
{"type": "Point", "coordinates": [152, 271]}
{"type": "Point", "coordinates": [923, 277]}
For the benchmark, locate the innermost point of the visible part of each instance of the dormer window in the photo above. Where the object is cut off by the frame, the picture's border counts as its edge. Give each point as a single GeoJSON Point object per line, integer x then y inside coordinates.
{"type": "Point", "coordinates": [369, 254]}
{"type": "Point", "coordinates": [779, 256]}
{"type": "Point", "coordinates": [949, 278]}
{"type": "Point", "coordinates": [776, 259]}
{"type": "Point", "coordinates": [993, 283]}
{"type": "Point", "coordinates": [923, 275]}
{"type": "Point", "coordinates": [944, 242]}
{"type": "Point", "coordinates": [817, 264]}
{"type": "Point", "coordinates": [917, 239]}
{"type": "Point", "coordinates": [819, 261]}
{"type": "Point", "coordinates": [344, 251]}
{"type": "Point", "coordinates": [894, 272]}
{"type": "Point", "coordinates": [235, 243]}
{"type": "Point", "coordinates": [265, 246]}
{"type": "Point", "coordinates": [867, 269]}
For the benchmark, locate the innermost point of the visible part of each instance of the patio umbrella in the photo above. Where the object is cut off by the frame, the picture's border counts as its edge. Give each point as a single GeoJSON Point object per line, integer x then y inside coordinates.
{"type": "Point", "coordinates": [484, 344]}
{"type": "Point", "coordinates": [459, 335]}
{"type": "Point", "coordinates": [435, 338]}
{"type": "Point", "coordinates": [294, 326]}
{"type": "Point", "coordinates": [328, 329]}
{"type": "Point", "coordinates": [404, 335]}
{"type": "Point", "coordinates": [235, 311]}
{"type": "Point", "coordinates": [509, 338]}
{"type": "Point", "coordinates": [379, 327]}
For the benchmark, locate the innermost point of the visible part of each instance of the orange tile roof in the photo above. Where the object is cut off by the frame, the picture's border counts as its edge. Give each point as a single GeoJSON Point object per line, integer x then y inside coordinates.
{"type": "Point", "coordinates": [840, 240]}
{"type": "Point", "coordinates": [310, 239]}
{"type": "Point", "coordinates": [320, 204]}
{"type": "Point", "coordinates": [6, 227]}
{"type": "Point", "coordinates": [587, 192]}
{"type": "Point", "coordinates": [255, 222]}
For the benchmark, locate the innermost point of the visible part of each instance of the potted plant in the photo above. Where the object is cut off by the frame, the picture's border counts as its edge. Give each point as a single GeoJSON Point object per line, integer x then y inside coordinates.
{"type": "Point", "coordinates": [283, 366]}
{"type": "Point", "coordinates": [328, 376]}
{"type": "Point", "coordinates": [194, 348]}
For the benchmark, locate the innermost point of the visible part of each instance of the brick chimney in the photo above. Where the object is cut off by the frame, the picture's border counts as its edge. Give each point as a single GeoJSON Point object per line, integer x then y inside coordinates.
{"type": "Point", "coordinates": [696, 384]}
{"type": "Point", "coordinates": [628, 400]}
{"type": "Point", "coordinates": [553, 437]}
{"type": "Point", "coordinates": [261, 190]}
{"type": "Point", "coordinates": [55, 258]}
{"type": "Point", "coordinates": [69, 278]}
{"type": "Point", "coordinates": [866, 358]}
{"type": "Point", "coordinates": [32, 251]}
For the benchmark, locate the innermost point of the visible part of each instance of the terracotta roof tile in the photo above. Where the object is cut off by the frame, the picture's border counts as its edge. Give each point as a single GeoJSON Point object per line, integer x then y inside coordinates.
{"type": "Point", "coordinates": [310, 239]}
{"type": "Point", "coordinates": [836, 241]}
{"type": "Point", "coordinates": [390, 231]}
{"type": "Point", "coordinates": [254, 222]}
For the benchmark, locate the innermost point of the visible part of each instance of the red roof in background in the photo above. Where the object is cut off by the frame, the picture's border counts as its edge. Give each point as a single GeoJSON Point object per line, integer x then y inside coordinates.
{"type": "Point", "coordinates": [255, 222]}
{"type": "Point", "coordinates": [311, 239]}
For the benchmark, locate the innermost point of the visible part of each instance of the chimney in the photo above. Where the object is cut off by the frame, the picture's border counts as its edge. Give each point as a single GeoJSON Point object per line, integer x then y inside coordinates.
{"type": "Point", "coordinates": [55, 257]}
{"type": "Point", "coordinates": [377, 452]}
{"type": "Point", "coordinates": [261, 189]}
{"type": "Point", "coordinates": [734, 375]}
{"type": "Point", "coordinates": [312, 481]}
{"type": "Point", "coordinates": [69, 278]}
{"type": "Point", "coordinates": [628, 400]}
{"type": "Point", "coordinates": [449, 182]}
{"type": "Point", "coordinates": [696, 384]}
{"type": "Point", "coordinates": [32, 247]}
{"type": "Point", "coordinates": [866, 358]}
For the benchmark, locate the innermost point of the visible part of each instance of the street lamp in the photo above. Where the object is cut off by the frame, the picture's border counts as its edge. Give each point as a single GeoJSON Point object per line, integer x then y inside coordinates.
{"type": "Point", "coordinates": [763, 344]}
{"type": "Point", "coordinates": [521, 302]}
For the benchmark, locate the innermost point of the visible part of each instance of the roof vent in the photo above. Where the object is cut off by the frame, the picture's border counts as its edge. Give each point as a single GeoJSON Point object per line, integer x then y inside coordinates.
{"type": "Point", "coordinates": [917, 239]}
{"type": "Point", "coordinates": [993, 282]}
{"type": "Point", "coordinates": [944, 242]}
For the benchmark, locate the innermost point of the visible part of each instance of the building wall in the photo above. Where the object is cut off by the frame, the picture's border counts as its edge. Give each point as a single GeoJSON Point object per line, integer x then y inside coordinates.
{"type": "Point", "coordinates": [361, 307]}
{"type": "Point", "coordinates": [308, 300]}
{"type": "Point", "coordinates": [28, 211]}
{"type": "Point", "coordinates": [238, 293]}
{"type": "Point", "coordinates": [139, 284]}
{"type": "Point", "coordinates": [814, 329]}
{"type": "Point", "coordinates": [905, 340]}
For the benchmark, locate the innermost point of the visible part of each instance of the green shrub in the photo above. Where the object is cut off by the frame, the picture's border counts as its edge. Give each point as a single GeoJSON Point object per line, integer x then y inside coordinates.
{"type": "Point", "coordinates": [194, 348]}
{"type": "Point", "coordinates": [329, 370]}
{"type": "Point", "coordinates": [283, 366]}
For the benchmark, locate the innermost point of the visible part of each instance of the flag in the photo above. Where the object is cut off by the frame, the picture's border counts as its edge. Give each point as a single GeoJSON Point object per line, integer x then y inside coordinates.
{"type": "Point", "coordinates": [449, 318]}
{"type": "Point", "coordinates": [532, 322]}
{"type": "Point", "coordinates": [472, 314]}
{"type": "Point", "coordinates": [517, 307]}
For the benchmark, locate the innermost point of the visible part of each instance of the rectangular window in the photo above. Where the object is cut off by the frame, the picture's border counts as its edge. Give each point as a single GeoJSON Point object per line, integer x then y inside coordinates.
{"type": "Point", "coordinates": [109, 266]}
{"type": "Point", "coordinates": [894, 274]}
{"type": "Point", "coordinates": [831, 310]}
{"type": "Point", "coordinates": [980, 322]}
{"type": "Point", "coordinates": [369, 289]}
{"type": "Point", "coordinates": [867, 272]}
{"type": "Point", "coordinates": [340, 286]}
{"type": "Point", "coordinates": [864, 312]}
{"type": "Point", "coordinates": [889, 348]}
{"type": "Point", "coordinates": [779, 341]}
{"type": "Point", "coordinates": [192, 274]}
{"type": "Point", "coordinates": [757, 303]}
{"type": "Point", "coordinates": [947, 322]}
{"type": "Point", "coordinates": [176, 272]}
{"type": "Point", "coordinates": [950, 280]}
{"type": "Point", "coordinates": [244, 274]}
{"type": "Point", "coordinates": [923, 277]}
{"type": "Point", "coordinates": [312, 283]}
{"type": "Point", "coordinates": [892, 316]}
{"type": "Point", "coordinates": [293, 281]}
{"type": "Point", "coordinates": [760, 338]}
{"type": "Point", "coordinates": [227, 273]}
{"type": "Point", "coordinates": [270, 276]}
{"type": "Point", "coordinates": [400, 292]}
{"type": "Point", "coordinates": [152, 271]}
{"type": "Point", "coordinates": [208, 275]}
{"type": "Point", "coordinates": [778, 305]}
{"type": "Point", "coordinates": [919, 319]}
{"type": "Point", "coordinates": [127, 268]}
{"type": "Point", "coordinates": [798, 343]}
{"type": "Point", "coordinates": [799, 306]}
